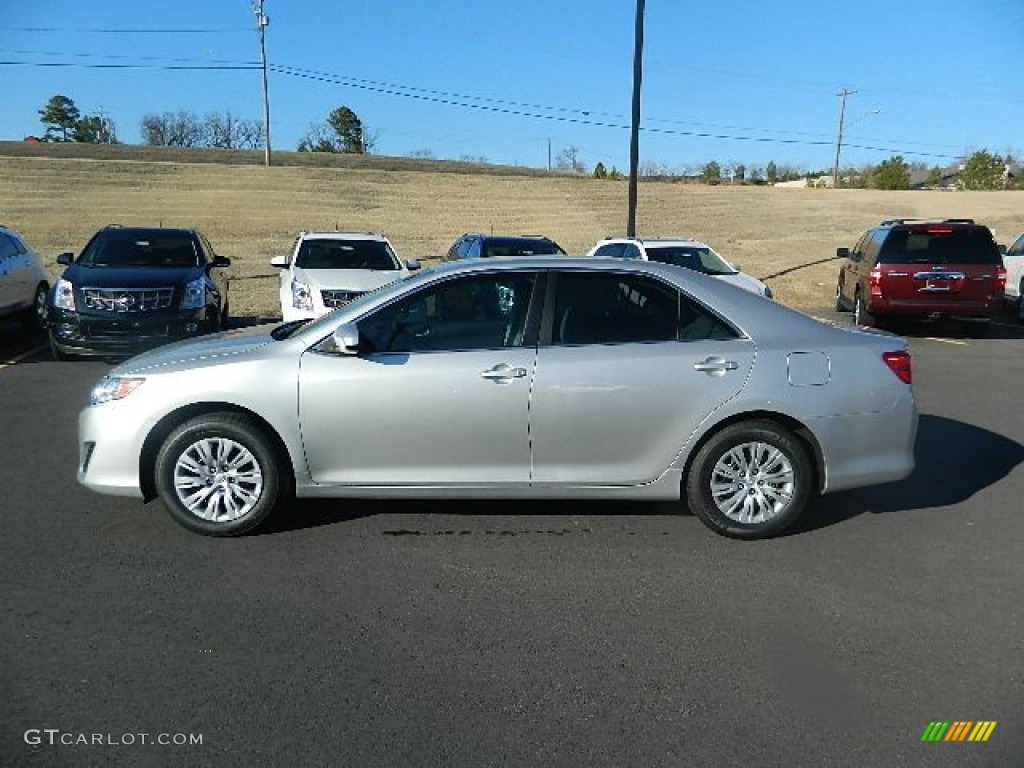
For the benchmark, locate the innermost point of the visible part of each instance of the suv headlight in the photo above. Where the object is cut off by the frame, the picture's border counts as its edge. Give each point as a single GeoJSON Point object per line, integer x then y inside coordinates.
{"type": "Point", "coordinates": [113, 388]}
{"type": "Point", "coordinates": [302, 296]}
{"type": "Point", "coordinates": [64, 295]}
{"type": "Point", "coordinates": [195, 294]}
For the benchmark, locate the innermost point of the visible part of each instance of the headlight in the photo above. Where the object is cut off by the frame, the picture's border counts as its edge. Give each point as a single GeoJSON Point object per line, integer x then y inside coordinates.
{"type": "Point", "coordinates": [302, 296]}
{"type": "Point", "coordinates": [64, 295]}
{"type": "Point", "coordinates": [195, 294]}
{"type": "Point", "coordinates": [113, 388]}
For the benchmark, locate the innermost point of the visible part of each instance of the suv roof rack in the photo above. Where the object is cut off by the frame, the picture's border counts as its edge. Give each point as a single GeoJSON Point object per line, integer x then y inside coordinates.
{"type": "Point", "coordinates": [891, 222]}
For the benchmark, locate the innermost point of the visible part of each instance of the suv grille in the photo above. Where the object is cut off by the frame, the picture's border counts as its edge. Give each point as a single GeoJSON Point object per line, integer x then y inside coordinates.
{"type": "Point", "coordinates": [128, 299]}
{"type": "Point", "coordinates": [335, 299]}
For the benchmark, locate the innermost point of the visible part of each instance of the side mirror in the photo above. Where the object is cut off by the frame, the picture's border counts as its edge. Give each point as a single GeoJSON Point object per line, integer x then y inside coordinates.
{"type": "Point", "coordinates": [1002, 249]}
{"type": "Point", "coordinates": [281, 262]}
{"type": "Point", "coordinates": [65, 258]}
{"type": "Point", "coordinates": [842, 253]}
{"type": "Point", "coordinates": [414, 264]}
{"type": "Point", "coordinates": [221, 261]}
{"type": "Point", "coordinates": [344, 340]}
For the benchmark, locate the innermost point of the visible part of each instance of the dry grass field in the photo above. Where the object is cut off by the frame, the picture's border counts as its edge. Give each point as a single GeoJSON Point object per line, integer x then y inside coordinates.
{"type": "Point", "coordinates": [251, 213]}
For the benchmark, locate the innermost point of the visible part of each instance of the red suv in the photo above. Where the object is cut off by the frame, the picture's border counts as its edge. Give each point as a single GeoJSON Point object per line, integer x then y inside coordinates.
{"type": "Point", "coordinates": [922, 269]}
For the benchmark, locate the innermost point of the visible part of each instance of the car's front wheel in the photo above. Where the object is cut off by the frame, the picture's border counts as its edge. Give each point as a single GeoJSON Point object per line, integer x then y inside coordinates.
{"type": "Point", "coordinates": [219, 475]}
{"type": "Point", "coordinates": [750, 481]}
{"type": "Point", "coordinates": [34, 320]}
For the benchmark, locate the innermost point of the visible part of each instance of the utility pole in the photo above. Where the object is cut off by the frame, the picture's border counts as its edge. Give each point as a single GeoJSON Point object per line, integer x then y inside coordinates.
{"type": "Point", "coordinates": [634, 141]}
{"type": "Point", "coordinates": [839, 139]}
{"type": "Point", "coordinates": [549, 154]}
{"type": "Point", "coordinates": [261, 22]}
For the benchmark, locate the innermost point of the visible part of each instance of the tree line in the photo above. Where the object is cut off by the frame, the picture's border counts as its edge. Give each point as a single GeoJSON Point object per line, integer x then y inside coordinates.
{"type": "Point", "coordinates": [344, 132]}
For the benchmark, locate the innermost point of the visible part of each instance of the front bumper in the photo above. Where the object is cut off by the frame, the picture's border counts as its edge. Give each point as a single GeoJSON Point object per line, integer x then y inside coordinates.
{"type": "Point", "coordinates": [123, 333]}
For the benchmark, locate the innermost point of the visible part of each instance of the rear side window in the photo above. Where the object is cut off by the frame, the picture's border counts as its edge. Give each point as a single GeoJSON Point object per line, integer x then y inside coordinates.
{"type": "Point", "coordinates": [940, 245]}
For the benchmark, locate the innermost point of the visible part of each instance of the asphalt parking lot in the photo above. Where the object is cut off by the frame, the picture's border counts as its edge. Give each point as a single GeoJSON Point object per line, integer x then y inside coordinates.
{"type": "Point", "coordinates": [521, 634]}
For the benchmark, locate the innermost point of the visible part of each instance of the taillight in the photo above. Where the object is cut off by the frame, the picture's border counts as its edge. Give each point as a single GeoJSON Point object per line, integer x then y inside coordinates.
{"type": "Point", "coordinates": [1001, 279]}
{"type": "Point", "coordinates": [899, 363]}
{"type": "Point", "coordinates": [875, 282]}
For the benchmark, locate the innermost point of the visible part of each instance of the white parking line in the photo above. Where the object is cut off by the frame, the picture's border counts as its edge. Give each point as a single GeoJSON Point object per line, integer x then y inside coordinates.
{"type": "Point", "coordinates": [19, 358]}
{"type": "Point", "coordinates": [946, 341]}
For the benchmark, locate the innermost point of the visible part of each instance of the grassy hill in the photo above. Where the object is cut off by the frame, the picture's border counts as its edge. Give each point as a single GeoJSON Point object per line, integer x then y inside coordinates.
{"type": "Point", "coordinates": [58, 195]}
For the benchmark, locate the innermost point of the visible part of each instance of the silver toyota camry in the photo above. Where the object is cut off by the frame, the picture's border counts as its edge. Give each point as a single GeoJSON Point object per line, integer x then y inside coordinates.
{"type": "Point", "coordinates": [512, 378]}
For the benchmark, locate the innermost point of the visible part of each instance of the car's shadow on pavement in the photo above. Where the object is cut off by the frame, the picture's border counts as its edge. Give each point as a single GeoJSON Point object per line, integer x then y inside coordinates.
{"type": "Point", "coordinates": [954, 461]}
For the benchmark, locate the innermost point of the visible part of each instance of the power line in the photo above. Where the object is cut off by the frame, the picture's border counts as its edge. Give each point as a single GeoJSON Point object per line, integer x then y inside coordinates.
{"type": "Point", "coordinates": [81, 65]}
{"type": "Point", "coordinates": [126, 31]}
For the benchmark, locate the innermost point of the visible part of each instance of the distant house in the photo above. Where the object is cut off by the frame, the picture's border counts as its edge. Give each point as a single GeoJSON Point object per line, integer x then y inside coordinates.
{"type": "Point", "coordinates": [33, 139]}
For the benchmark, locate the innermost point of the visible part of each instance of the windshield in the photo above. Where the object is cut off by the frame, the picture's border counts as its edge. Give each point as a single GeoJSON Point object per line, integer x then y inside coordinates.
{"type": "Point", "coordinates": [346, 254]}
{"type": "Point", "coordinates": [697, 258]}
{"type": "Point", "coordinates": [142, 249]}
{"type": "Point", "coordinates": [520, 246]}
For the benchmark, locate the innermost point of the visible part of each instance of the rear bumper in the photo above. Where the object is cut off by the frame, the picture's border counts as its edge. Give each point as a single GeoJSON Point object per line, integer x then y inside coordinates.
{"type": "Point", "coordinates": [981, 310]}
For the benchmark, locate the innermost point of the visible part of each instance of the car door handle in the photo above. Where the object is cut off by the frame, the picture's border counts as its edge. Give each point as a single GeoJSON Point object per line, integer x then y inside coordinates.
{"type": "Point", "coordinates": [715, 365]}
{"type": "Point", "coordinates": [503, 371]}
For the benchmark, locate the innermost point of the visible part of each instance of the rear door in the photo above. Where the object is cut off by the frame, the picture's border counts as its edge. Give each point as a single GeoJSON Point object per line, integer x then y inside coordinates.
{"type": "Point", "coordinates": [628, 371]}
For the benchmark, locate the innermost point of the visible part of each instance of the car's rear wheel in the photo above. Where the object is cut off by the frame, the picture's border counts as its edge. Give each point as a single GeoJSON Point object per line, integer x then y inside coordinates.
{"type": "Point", "coordinates": [219, 475]}
{"type": "Point", "coordinates": [750, 481]}
{"type": "Point", "coordinates": [861, 316]}
{"type": "Point", "coordinates": [225, 317]}
{"type": "Point", "coordinates": [840, 304]}
{"type": "Point", "coordinates": [34, 320]}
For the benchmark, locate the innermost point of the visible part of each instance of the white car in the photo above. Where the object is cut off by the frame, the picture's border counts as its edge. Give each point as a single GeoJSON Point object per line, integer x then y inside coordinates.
{"type": "Point", "coordinates": [23, 282]}
{"type": "Point", "coordinates": [683, 252]}
{"type": "Point", "coordinates": [326, 270]}
{"type": "Point", "coordinates": [1013, 260]}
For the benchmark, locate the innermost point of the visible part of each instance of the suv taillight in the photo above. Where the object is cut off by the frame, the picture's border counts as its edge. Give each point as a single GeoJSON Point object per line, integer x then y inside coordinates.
{"type": "Point", "coordinates": [875, 281]}
{"type": "Point", "coordinates": [899, 363]}
{"type": "Point", "coordinates": [1001, 279]}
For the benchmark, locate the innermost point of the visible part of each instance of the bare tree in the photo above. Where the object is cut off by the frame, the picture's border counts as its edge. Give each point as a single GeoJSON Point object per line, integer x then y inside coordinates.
{"type": "Point", "coordinates": [568, 160]}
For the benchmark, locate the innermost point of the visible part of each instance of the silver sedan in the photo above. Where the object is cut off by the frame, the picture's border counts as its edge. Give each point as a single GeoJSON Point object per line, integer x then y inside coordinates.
{"type": "Point", "coordinates": [512, 378]}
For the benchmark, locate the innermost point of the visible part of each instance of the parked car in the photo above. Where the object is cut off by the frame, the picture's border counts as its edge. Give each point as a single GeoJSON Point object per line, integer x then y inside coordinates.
{"type": "Point", "coordinates": [911, 269]}
{"type": "Point", "coordinates": [23, 282]}
{"type": "Point", "coordinates": [1013, 262]}
{"type": "Point", "coordinates": [683, 252]}
{"type": "Point", "coordinates": [512, 378]}
{"type": "Point", "coordinates": [134, 288]}
{"type": "Point", "coordinates": [327, 270]}
{"type": "Point", "coordinates": [474, 245]}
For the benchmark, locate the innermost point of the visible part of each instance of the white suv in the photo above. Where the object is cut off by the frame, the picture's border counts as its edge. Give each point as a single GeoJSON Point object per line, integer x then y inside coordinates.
{"type": "Point", "coordinates": [1013, 260]}
{"type": "Point", "coordinates": [683, 252]}
{"type": "Point", "coordinates": [23, 282]}
{"type": "Point", "coordinates": [328, 269]}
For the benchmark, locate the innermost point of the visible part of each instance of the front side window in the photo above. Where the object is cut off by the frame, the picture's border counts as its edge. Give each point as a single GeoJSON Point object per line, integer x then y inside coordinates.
{"type": "Point", "coordinates": [474, 312]}
{"type": "Point", "coordinates": [7, 247]}
{"type": "Point", "coordinates": [346, 254]}
{"type": "Point", "coordinates": [613, 309]}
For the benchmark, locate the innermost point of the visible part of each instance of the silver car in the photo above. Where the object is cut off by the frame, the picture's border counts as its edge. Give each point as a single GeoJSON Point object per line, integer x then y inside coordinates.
{"type": "Point", "coordinates": [512, 378]}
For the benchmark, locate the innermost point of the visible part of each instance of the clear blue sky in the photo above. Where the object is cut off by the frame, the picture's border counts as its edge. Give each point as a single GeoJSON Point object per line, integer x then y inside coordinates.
{"type": "Point", "coordinates": [499, 80]}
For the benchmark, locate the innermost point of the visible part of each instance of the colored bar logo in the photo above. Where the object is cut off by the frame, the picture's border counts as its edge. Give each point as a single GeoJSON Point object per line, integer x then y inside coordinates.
{"type": "Point", "coordinates": [959, 730]}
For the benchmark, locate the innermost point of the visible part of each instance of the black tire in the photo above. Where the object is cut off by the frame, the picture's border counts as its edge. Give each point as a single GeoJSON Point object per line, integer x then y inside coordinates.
{"type": "Point", "coordinates": [771, 500]}
{"type": "Point", "coordinates": [861, 316]}
{"type": "Point", "coordinates": [840, 304]}
{"type": "Point", "coordinates": [258, 483]}
{"type": "Point", "coordinates": [1020, 303]}
{"type": "Point", "coordinates": [34, 320]}
{"type": "Point", "coordinates": [225, 317]}
{"type": "Point", "coordinates": [977, 329]}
